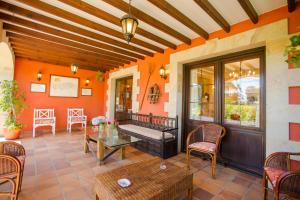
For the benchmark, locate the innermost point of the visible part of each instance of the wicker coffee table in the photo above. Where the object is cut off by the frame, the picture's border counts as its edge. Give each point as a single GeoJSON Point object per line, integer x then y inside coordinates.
{"type": "Point", "coordinates": [148, 182]}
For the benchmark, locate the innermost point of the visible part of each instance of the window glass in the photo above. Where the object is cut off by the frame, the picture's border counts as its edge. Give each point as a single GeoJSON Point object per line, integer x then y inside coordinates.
{"type": "Point", "coordinates": [242, 93]}
{"type": "Point", "coordinates": [202, 91]}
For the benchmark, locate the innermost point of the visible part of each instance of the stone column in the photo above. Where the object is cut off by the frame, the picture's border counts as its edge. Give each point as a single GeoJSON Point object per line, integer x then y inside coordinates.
{"type": "Point", "coordinates": [6, 64]}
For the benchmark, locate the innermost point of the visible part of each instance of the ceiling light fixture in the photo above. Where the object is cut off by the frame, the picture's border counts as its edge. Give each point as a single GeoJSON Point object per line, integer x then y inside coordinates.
{"type": "Point", "coordinates": [129, 25]}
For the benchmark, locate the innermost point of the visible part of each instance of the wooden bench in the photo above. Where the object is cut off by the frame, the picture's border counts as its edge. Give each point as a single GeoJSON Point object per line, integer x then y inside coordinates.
{"type": "Point", "coordinates": [158, 134]}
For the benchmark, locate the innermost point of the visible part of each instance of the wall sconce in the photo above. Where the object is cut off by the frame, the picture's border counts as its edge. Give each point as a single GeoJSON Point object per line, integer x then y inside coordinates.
{"type": "Point", "coordinates": [74, 68]}
{"type": "Point", "coordinates": [39, 76]}
{"type": "Point", "coordinates": [162, 72]}
{"type": "Point", "coordinates": [87, 81]}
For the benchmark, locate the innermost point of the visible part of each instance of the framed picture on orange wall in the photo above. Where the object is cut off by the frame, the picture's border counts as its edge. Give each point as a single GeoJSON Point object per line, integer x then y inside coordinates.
{"type": "Point", "coordinates": [38, 87]}
{"type": "Point", "coordinates": [86, 91]}
{"type": "Point", "coordinates": [63, 86]}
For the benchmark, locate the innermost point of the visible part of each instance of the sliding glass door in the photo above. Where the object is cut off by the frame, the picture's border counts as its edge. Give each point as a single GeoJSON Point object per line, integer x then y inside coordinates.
{"type": "Point", "coordinates": [229, 90]}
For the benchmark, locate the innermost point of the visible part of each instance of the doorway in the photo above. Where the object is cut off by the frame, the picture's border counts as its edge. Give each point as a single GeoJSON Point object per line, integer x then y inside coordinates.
{"type": "Point", "coordinates": [123, 97]}
{"type": "Point", "coordinates": [230, 91]}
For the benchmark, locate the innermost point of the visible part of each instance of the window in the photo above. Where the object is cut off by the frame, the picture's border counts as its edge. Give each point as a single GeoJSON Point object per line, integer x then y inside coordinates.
{"type": "Point", "coordinates": [227, 90]}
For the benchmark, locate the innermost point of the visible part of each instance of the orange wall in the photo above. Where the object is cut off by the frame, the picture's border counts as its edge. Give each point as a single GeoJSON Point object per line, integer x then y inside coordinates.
{"type": "Point", "coordinates": [159, 59]}
{"type": "Point", "coordinates": [25, 73]}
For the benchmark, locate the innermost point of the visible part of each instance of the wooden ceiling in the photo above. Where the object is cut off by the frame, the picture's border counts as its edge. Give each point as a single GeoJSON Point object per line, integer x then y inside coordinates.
{"type": "Point", "coordinates": [88, 32]}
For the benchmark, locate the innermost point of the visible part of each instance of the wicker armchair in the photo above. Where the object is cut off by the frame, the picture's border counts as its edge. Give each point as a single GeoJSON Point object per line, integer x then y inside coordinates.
{"type": "Point", "coordinates": [212, 135]}
{"type": "Point", "coordinates": [16, 151]}
{"type": "Point", "coordinates": [284, 181]}
{"type": "Point", "coordinates": [10, 171]}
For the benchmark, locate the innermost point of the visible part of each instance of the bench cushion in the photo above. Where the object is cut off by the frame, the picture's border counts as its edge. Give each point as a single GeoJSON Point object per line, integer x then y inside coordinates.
{"type": "Point", "coordinates": [147, 132]}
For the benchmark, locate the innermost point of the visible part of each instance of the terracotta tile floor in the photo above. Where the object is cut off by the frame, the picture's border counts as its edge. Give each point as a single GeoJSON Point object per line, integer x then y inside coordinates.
{"type": "Point", "coordinates": [57, 168]}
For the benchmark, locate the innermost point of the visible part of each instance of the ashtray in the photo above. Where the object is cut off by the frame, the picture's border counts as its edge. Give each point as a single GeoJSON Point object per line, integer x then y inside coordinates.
{"type": "Point", "coordinates": [124, 182]}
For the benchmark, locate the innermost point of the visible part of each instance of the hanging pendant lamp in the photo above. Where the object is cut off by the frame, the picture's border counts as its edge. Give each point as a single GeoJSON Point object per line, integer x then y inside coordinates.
{"type": "Point", "coordinates": [129, 25]}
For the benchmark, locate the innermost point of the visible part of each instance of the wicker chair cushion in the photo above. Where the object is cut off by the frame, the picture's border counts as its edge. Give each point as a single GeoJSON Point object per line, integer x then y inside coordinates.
{"type": "Point", "coordinates": [44, 121]}
{"type": "Point", "coordinates": [204, 146]}
{"type": "Point", "coordinates": [147, 132]}
{"type": "Point", "coordinates": [273, 174]}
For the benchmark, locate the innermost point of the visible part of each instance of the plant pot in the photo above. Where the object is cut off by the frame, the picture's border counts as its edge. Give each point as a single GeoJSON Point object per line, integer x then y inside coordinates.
{"type": "Point", "coordinates": [11, 134]}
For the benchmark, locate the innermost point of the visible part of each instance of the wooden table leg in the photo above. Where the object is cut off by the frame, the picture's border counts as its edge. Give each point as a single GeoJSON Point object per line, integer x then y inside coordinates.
{"type": "Point", "coordinates": [86, 141]}
{"type": "Point", "coordinates": [100, 151]}
{"type": "Point", "coordinates": [96, 196]}
{"type": "Point", "coordinates": [123, 152]}
{"type": "Point", "coordinates": [190, 193]}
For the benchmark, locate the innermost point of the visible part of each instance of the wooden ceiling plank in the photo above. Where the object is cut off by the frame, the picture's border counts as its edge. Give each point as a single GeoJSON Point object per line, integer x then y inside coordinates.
{"type": "Point", "coordinates": [28, 24]}
{"type": "Point", "coordinates": [60, 63]}
{"type": "Point", "coordinates": [61, 53]}
{"type": "Point", "coordinates": [81, 5]}
{"type": "Point", "coordinates": [77, 61]}
{"type": "Point", "coordinates": [53, 22]}
{"type": "Point", "coordinates": [13, 28]}
{"type": "Point", "coordinates": [68, 61]}
{"type": "Point", "coordinates": [82, 21]}
{"type": "Point", "coordinates": [121, 5]}
{"type": "Point", "coordinates": [291, 5]}
{"type": "Point", "coordinates": [249, 9]}
{"type": "Point", "coordinates": [173, 12]}
{"type": "Point", "coordinates": [50, 49]}
{"type": "Point", "coordinates": [214, 14]}
{"type": "Point", "coordinates": [27, 40]}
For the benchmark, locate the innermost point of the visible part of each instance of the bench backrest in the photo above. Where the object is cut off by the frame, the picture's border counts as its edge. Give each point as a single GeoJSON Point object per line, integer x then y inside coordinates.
{"type": "Point", "coordinates": [154, 122]}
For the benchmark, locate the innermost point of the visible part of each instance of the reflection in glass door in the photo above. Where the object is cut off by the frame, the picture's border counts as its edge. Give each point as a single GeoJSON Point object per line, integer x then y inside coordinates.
{"type": "Point", "coordinates": [202, 93]}
{"type": "Point", "coordinates": [123, 99]}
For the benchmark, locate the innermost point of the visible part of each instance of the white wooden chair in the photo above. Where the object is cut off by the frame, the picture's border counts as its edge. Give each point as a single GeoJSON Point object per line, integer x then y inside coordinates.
{"type": "Point", "coordinates": [43, 117]}
{"type": "Point", "coordinates": [76, 116]}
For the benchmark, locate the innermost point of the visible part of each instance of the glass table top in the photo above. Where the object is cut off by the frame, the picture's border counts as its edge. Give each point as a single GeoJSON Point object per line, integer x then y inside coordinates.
{"type": "Point", "coordinates": [109, 136]}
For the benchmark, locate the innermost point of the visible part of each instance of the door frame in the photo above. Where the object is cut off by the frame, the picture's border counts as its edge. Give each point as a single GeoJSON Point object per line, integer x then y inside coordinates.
{"type": "Point", "coordinates": [219, 94]}
{"type": "Point", "coordinates": [120, 79]}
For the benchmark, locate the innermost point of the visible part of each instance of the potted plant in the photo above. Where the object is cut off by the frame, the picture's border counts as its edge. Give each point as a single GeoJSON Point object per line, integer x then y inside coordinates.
{"type": "Point", "coordinates": [100, 76]}
{"type": "Point", "coordinates": [12, 103]}
{"type": "Point", "coordinates": [293, 51]}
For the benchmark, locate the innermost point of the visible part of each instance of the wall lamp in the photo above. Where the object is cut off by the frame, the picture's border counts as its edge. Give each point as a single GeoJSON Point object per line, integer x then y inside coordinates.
{"type": "Point", "coordinates": [162, 72]}
{"type": "Point", "coordinates": [74, 68]}
{"type": "Point", "coordinates": [39, 76]}
{"type": "Point", "coordinates": [87, 81]}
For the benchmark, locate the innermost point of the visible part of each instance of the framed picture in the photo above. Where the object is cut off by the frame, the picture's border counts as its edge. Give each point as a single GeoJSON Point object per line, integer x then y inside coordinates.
{"type": "Point", "coordinates": [37, 87]}
{"type": "Point", "coordinates": [86, 91]}
{"type": "Point", "coordinates": [63, 86]}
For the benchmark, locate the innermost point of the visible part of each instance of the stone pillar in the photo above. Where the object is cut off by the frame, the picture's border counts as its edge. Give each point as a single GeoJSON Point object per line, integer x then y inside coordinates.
{"type": "Point", "coordinates": [7, 59]}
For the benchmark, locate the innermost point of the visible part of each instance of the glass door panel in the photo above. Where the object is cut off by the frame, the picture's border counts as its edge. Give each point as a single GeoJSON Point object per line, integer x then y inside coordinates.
{"type": "Point", "coordinates": [201, 94]}
{"type": "Point", "coordinates": [242, 93]}
{"type": "Point", "coordinates": [123, 101]}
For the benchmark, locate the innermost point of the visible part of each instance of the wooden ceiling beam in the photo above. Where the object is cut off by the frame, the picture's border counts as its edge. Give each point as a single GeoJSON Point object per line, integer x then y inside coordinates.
{"type": "Point", "coordinates": [173, 12]}
{"type": "Point", "coordinates": [65, 26]}
{"type": "Point", "coordinates": [21, 30]}
{"type": "Point", "coordinates": [77, 61]}
{"type": "Point", "coordinates": [31, 45]}
{"type": "Point", "coordinates": [249, 9]}
{"type": "Point", "coordinates": [214, 14]}
{"type": "Point", "coordinates": [61, 53]}
{"type": "Point", "coordinates": [149, 20]}
{"type": "Point", "coordinates": [39, 43]}
{"type": "Point", "coordinates": [28, 24]}
{"type": "Point", "coordinates": [291, 5]}
{"type": "Point", "coordinates": [85, 22]}
{"type": "Point", "coordinates": [81, 5]}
